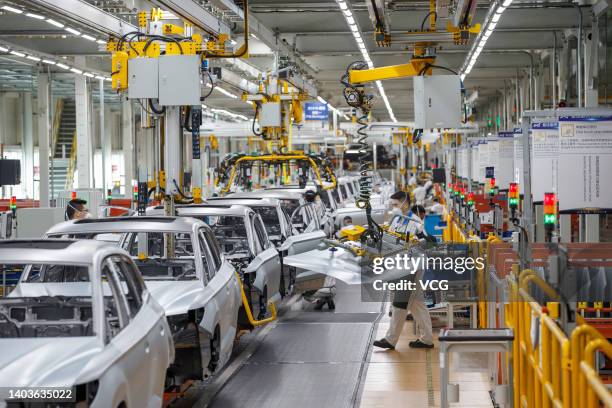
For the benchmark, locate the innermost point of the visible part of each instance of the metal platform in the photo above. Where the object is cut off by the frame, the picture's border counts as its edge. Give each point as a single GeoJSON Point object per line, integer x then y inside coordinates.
{"type": "Point", "coordinates": [308, 358]}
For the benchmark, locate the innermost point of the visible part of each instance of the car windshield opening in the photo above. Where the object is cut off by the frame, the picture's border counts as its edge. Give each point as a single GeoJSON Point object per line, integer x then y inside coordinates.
{"type": "Point", "coordinates": [230, 231]}
{"type": "Point", "coordinates": [43, 312]}
{"type": "Point", "coordinates": [269, 216]}
{"type": "Point", "coordinates": [162, 255]}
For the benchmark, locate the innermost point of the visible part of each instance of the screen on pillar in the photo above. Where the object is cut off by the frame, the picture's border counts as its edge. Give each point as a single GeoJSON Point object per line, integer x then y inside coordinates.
{"type": "Point", "coordinates": [10, 172]}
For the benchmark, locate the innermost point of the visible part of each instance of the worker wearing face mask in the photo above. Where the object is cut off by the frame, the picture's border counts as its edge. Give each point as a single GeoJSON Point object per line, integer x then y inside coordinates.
{"type": "Point", "coordinates": [415, 302]}
{"type": "Point", "coordinates": [412, 180]}
{"type": "Point", "coordinates": [420, 192]}
{"type": "Point", "coordinates": [76, 210]}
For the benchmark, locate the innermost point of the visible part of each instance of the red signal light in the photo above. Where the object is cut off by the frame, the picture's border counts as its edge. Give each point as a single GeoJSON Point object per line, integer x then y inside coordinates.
{"type": "Point", "coordinates": [73, 195]}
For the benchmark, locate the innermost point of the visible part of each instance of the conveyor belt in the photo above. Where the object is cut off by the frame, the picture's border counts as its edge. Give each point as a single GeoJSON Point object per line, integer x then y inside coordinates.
{"type": "Point", "coordinates": [308, 359]}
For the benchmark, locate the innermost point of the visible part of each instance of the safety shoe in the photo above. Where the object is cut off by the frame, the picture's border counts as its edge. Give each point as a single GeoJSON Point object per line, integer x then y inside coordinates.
{"type": "Point", "coordinates": [420, 344]}
{"type": "Point", "coordinates": [383, 343]}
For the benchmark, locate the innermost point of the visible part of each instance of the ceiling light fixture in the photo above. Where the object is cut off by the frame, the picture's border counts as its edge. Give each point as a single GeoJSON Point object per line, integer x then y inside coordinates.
{"type": "Point", "coordinates": [88, 37]}
{"type": "Point", "coordinates": [36, 16]}
{"type": "Point", "coordinates": [17, 53]}
{"type": "Point", "coordinates": [493, 16]}
{"type": "Point", "coordinates": [12, 9]}
{"type": "Point", "coordinates": [63, 66]}
{"type": "Point", "coordinates": [55, 23]}
{"type": "Point", "coordinates": [33, 58]}
{"type": "Point", "coordinates": [72, 31]}
{"type": "Point", "coordinates": [350, 20]}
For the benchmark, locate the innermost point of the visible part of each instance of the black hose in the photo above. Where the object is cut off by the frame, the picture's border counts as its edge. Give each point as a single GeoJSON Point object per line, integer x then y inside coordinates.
{"type": "Point", "coordinates": [155, 110]}
{"type": "Point", "coordinates": [179, 190]}
{"type": "Point", "coordinates": [425, 19]}
{"type": "Point", "coordinates": [186, 119]}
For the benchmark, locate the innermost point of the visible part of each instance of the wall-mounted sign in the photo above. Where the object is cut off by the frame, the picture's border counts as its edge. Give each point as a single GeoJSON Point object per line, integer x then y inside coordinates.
{"type": "Point", "coordinates": [315, 111]}
{"type": "Point", "coordinates": [585, 163]}
{"type": "Point", "coordinates": [544, 158]}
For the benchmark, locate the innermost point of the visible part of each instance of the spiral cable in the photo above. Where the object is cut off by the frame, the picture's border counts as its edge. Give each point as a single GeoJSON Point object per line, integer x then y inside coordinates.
{"type": "Point", "coordinates": [356, 97]}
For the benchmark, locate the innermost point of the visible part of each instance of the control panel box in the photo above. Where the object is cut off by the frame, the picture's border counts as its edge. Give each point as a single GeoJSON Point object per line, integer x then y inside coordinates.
{"type": "Point", "coordinates": [437, 101]}
{"type": "Point", "coordinates": [10, 172]}
{"type": "Point", "coordinates": [143, 78]}
{"type": "Point", "coordinates": [270, 114]}
{"type": "Point", "coordinates": [179, 80]}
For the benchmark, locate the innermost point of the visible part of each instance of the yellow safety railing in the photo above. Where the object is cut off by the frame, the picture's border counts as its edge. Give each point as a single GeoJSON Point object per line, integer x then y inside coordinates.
{"type": "Point", "coordinates": [550, 369]}
{"type": "Point", "coordinates": [72, 163]}
{"type": "Point", "coordinates": [57, 118]}
{"type": "Point", "coordinates": [247, 308]}
{"type": "Point", "coordinates": [592, 389]}
{"type": "Point", "coordinates": [580, 338]}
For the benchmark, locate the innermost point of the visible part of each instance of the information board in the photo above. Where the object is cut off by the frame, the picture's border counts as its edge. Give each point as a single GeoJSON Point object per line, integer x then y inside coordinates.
{"type": "Point", "coordinates": [518, 156]}
{"type": "Point", "coordinates": [544, 158]}
{"type": "Point", "coordinates": [585, 163]}
{"type": "Point", "coordinates": [504, 168]}
{"type": "Point", "coordinates": [315, 111]}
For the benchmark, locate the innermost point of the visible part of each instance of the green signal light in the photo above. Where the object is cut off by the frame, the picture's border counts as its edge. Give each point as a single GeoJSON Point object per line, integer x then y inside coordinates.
{"type": "Point", "coordinates": [550, 219]}
{"type": "Point", "coordinates": [513, 202]}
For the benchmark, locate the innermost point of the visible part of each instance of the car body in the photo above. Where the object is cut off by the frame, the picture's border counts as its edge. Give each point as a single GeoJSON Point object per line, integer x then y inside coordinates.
{"type": "Point", "coordinates": [245, 243]}
{"type": "Point", "coordinates": [81, 316]}
{"type": "Point", "coordinates": [292, 242]}
{"type": "Point", "coordinates": [183, 269]}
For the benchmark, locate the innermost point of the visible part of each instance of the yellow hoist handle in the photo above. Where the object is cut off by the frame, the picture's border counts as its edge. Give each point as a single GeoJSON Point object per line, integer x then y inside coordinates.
{"type": "Point", "coordinates": [247, 308]}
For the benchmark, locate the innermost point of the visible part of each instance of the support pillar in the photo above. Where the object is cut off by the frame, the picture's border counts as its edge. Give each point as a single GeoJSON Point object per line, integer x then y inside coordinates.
{"type": "Point", "coordinates": [27, 147]}
{"type": "Point", "coordinates": [127, 137]}
{"type": "Point", "coordinates": [44, 131]}
{"type": "Point", "coordinates": [106, 142]}
{"type": "Point", "coordinates": [172, 149]}
{"type": "Point", "coordinates": [84, 163]}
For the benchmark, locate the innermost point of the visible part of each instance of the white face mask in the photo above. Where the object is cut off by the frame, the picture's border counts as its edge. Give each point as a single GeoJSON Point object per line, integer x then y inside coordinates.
{"type": "Point", "coordinates": [396, 211]}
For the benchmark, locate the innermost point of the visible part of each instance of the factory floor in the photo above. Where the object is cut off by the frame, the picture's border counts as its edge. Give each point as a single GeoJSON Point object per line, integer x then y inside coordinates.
{"type": "Point", "coordinates": [309, 358]}
{"type": "Point", "coordinates": [411, 378]}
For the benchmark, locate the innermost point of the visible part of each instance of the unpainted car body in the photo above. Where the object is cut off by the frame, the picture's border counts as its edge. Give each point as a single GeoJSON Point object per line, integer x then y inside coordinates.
{"type": "Point", "coordinates": [245, 243]}
{"type": "Point", "coordinates": [180, 260]}
{"type": "Point", "coordinates": [82, 317]}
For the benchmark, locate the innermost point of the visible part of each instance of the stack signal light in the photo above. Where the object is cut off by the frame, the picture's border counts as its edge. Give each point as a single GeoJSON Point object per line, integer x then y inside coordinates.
{"type": "Point", "coordinates": [513, 195]}
{"type": "Point", "coordinates": [457, 189]}
{"type": "Point", "coordinates": [73, 195]}
{"type": "Point", "coordinates": [550, 209]}
{"type": "Point", "coordinates": [462, 193]}
{"type": "Point", "coordinates": [470, 198]}
{"type": "Point", "coordinates": [13, 203]}
{"type": "Point", "coordinates": [492, 186]}
{"type": "Point", "coordinates": [135, 192]}
{"type": "Point", "coordinates": [109, 195]}
{"type": "Point", "coordinates": [450, 188]}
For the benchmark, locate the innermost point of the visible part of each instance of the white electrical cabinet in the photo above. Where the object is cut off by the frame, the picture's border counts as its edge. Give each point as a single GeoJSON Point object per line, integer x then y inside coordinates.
{"type": "Point", "coordinates": [33, 222]}
{"type": "Point", "coordinates": [179, 80]}
{"type": "Point", "coordinates": [437, 101]}
{"type": "Point", "coordinates": [270, 114]}
{"type": "Point", "coordinates": [143, 78]}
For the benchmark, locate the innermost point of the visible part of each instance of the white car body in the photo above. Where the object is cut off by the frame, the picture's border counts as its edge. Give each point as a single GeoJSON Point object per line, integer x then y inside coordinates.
{"type": "Point", "coordinates": [103, 359]}
{"type": "Point", "coordinates": [211, 298]}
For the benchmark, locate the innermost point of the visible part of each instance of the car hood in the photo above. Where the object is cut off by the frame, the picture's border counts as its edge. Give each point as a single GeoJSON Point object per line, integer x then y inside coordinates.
{"type": "Point", "coordinates": [177, 297]}
{"type": "Point", "coordinates": [56, 361]}
{"type": "Point", "coordinates": [338, 263]}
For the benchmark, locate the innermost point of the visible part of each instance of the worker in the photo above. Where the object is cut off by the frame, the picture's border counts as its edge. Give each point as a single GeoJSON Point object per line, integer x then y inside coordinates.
{"type": "Point", "coordinates": [420, 192]}
{"type": "Point", "coordinates": [415, 302]}
{"type": "Point", "coordinates": [436, 207]}
{"type": "Point", "coordinates": [412, 180]}
{"type": "Point", "coordinates": [76, 210]}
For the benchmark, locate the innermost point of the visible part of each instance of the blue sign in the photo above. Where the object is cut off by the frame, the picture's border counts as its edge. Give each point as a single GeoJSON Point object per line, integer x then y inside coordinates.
{"type": "Point", "coordinates": [316, 111]}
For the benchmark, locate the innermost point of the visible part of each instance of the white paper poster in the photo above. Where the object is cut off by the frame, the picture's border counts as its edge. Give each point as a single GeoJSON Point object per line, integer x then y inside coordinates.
{"type": "Point", "coordinates": [465, 164]}
{"type": "Point", "coordinates": [544, 158]}
{"type": "Point", "coordinates": [483, 160]}
{"type": "Point", "coordinates": [518, 156]}
{"type": "Point", "coordinates": [585, 163]}
{"type": "Point", "coordinates": [475, 164]}
{"type": "Point", "coordinates": [504, 168]}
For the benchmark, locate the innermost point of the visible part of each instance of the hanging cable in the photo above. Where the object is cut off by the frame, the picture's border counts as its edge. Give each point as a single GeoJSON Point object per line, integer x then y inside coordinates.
{"type": "Point", "coordinates": [356, 97]}
{"type": "Point", "coordinates": [425, 19]}
{"type": "Point", "coordinates": [154, 109]}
